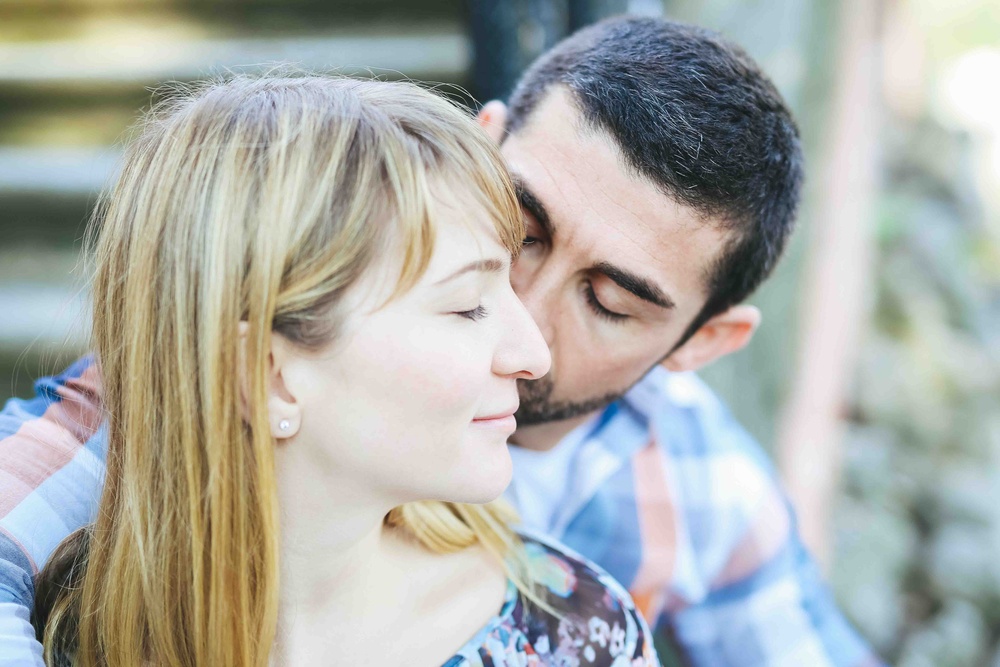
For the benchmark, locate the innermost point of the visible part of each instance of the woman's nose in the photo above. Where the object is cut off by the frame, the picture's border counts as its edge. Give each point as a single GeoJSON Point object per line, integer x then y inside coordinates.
{"type": "Point", "coordinates": [523, 352]}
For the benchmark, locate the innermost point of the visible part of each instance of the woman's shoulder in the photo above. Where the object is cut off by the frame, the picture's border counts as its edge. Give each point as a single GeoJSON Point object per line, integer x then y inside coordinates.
{"type": "Point", "coordinates": [588, 620]}
{"type": "Point", "coordinates": [593, 620]}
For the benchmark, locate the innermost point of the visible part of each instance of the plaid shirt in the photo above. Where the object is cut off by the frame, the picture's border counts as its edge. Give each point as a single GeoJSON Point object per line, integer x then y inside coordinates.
{"type": "Point", "coordinates": [674, 499]}
{"type": "Point", "coordinates": [668, 494]}
{"type": "Point", "coordinates": [51, 470]}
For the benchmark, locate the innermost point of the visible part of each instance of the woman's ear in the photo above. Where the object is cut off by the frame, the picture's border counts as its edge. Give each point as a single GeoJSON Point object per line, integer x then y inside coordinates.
{"type": "Point", "coordinates": [284, 412]}
{"type": "Point", "coordinates": [723, 334]}
{"type": "Point", "coordinates": [493, 118]}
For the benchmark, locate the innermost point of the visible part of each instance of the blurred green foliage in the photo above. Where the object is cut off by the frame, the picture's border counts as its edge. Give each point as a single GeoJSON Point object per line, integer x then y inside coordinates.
{"type": "Point", "coordinates": [919, 520]}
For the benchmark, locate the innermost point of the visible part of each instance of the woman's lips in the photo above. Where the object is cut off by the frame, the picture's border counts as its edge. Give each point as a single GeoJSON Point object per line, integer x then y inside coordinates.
{"type": "Point", "coordinates": [502, 420]}
{"type": "Point", "coordinates": [508, 423]}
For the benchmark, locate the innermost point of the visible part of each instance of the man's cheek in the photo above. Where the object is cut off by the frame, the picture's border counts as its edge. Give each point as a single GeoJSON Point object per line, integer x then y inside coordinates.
{"type": "Point", "coordinates": [610, 370]}
{"type": "Point", "coordinates": [588, 370]}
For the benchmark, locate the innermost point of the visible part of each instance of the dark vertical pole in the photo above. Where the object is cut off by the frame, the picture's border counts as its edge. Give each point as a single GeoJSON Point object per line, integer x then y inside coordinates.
{"type": "Point", "coordinates": [547, 22]}
{"type": "Point", "coordinates": [584, 12]}
{"type": "Point", "coordinates": [506, 35]}
{"type": "Point", "coordinates": [496, 50]}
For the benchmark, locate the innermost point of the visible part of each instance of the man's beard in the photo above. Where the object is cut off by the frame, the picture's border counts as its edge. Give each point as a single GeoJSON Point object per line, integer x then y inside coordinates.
{"type": "Point", "coordinates": [537, 406]}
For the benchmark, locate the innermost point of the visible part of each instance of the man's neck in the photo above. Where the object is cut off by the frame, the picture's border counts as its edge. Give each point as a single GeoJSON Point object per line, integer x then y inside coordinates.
{"type": "Point", "coordinates": [543, 437]}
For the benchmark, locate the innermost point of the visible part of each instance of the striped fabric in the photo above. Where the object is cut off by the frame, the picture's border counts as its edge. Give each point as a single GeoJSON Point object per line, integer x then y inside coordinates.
{"type": "Point", "coordinates": [669, 495]}
{"type": "Point", "coordinates": [51, 470]}
{"type": "Point", "coordinates": [675, 500]}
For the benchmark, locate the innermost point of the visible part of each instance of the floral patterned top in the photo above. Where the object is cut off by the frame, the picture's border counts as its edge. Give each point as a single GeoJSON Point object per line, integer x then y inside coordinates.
{"type": "Point", "coordinates": [597, 626]}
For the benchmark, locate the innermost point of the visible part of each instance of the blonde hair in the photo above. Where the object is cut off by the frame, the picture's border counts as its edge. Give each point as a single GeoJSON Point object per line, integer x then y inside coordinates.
{"type": "Point", "coordinates": [261, 200]}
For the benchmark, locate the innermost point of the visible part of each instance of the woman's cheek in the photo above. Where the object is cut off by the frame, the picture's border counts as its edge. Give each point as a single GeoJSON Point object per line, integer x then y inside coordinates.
{"type": "Point", "coordinates": [457, 366]}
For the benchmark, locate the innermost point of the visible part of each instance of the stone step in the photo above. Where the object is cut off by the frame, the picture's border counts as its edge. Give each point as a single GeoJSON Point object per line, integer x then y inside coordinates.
{"type": "Point", "coordinates": [42, 300]}
{"type": "Point", "coordinates": [64, 171]}
{"type": "Point", "coordinates": [438, 50]}
{"type": "Point", "coordinates": [38, 313]}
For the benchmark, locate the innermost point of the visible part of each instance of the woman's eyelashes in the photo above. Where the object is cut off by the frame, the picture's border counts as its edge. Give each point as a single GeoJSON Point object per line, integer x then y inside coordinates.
{"type": "Point", "coordinates": [598, 308]}
{"type": "Point", "coordinates": [477, 313]}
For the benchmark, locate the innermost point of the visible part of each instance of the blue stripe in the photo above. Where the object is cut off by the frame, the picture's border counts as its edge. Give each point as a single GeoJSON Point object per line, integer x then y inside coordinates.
{"type": "Point", "coordinates": [15, 574]}
{"type": "Point", "coordinates": [17, 411]}
{"type": "Point", "coordinates": [48, 386]}
{"type": "Point", "coordinates": [607, 529]}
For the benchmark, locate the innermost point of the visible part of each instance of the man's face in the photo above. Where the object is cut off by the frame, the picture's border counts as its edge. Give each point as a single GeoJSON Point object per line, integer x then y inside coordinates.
{"type": "Point", "coordinates": [613, 270]}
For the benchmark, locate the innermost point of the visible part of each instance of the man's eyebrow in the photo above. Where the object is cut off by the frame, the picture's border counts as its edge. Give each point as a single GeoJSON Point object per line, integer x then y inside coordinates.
{"type": "Point", "coordinates": [645, 289]}
{"type": "Point", "coordinates": [532, 205]}
{"type": "Point", "coordinates": [492, 265]}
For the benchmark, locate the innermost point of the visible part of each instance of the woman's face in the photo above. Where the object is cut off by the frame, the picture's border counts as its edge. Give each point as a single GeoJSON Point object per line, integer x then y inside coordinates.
{"type": "Point", "coordinates": [415, 399]}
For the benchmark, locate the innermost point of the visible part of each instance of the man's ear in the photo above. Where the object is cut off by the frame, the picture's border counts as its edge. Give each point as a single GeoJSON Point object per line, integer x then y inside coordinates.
{"type": "Point", "coordinates": [284, 412]}
{"type": "Point", "coordinates": [493, 118]}
{"type": "Point", "coordinates": [723, 334]}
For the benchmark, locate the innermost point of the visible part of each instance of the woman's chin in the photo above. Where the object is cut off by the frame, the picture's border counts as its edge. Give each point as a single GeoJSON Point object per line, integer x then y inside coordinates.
{"type": "Point", "coordinates": [486, 482]}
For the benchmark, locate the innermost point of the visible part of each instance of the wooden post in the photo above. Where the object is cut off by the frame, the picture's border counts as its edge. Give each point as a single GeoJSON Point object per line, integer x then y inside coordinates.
{"type": "Point", "coordinates": [838, 279]}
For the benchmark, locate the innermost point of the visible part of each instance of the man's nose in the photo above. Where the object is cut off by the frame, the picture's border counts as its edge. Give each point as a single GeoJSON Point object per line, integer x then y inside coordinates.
{"type": "Point", "coordinates": [537, 291]}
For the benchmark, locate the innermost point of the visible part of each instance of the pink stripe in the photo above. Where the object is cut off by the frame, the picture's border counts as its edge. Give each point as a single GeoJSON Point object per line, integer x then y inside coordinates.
{"type": "Point", "coordinates": [765, 536]}
{"type": "Point", "coordinates": [42, 446]}
{"type": "Point", "coordinates": [658, 527]}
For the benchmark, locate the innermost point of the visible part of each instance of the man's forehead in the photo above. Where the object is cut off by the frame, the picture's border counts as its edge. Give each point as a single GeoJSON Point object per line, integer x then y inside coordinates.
{"type": "Point", "coordinates": [556, 151]}
{"type": "Point", "coordinates": [606, 211]}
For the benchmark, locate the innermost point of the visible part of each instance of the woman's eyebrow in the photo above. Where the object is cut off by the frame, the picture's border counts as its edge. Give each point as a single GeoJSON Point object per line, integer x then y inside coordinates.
{"type": "Point", "coordinates": [492, 265]}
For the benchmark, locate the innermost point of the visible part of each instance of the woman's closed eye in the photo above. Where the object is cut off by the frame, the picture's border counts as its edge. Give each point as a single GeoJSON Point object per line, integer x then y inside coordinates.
{"type": "Point", "coordinates": [477, 313]}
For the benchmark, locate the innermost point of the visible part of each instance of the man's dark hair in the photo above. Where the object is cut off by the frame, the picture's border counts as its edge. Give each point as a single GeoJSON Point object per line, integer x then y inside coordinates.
{"type": "Point", "coordinates": [693, 114]}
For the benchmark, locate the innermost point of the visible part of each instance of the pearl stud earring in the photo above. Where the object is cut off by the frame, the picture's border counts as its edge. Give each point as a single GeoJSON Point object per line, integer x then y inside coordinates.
{"type": "Point", "coordinates": [284, 425]}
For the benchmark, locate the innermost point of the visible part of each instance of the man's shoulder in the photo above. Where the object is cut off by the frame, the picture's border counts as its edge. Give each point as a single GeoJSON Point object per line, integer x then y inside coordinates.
{"type": "Point", "coordinates": [588, 598]}
{"type": "Point", "coordinates": [661, 393]}
{"type": "Point", "coordinates": [546, 556]}
{"type": "Point", "coordinates": [718, 477]}
{"type": "Point", "coordinates": [730, 514]}
{"type": "Point", "coordinates": [689, 422]}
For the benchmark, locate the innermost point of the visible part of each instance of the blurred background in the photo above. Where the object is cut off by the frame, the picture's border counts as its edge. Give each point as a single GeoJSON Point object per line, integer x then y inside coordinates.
{"type": "Point", "coordinates": [875, 379]}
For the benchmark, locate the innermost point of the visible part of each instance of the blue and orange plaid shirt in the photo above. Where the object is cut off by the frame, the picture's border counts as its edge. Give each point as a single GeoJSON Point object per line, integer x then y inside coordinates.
{"type": "Point", "coordinates": [675, 500]}
{"type": "Point", "coordinates": [668, 494]}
